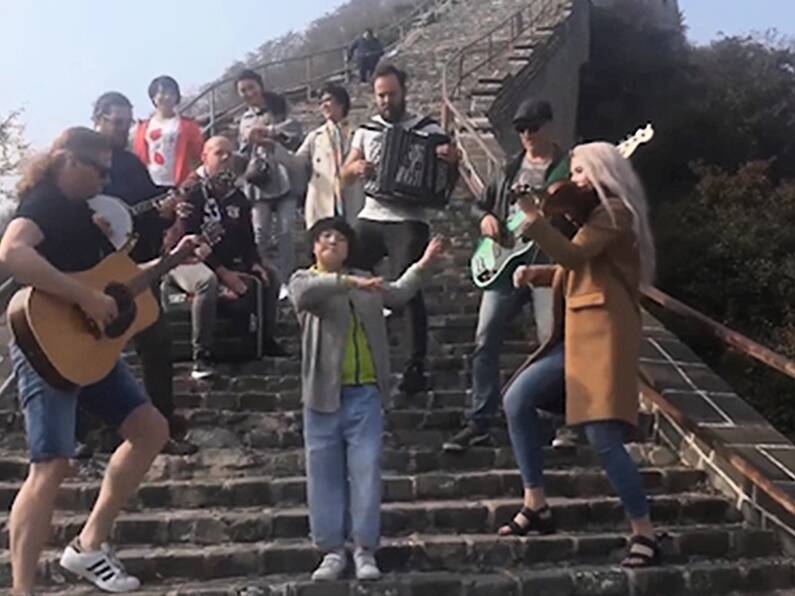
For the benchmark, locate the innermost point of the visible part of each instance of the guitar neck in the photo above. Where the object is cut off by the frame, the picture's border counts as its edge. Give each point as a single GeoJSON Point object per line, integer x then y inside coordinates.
{"type": "Point", "coordinates": [145, 280]}
{"type": "Point", "coordinates": [148, 204]}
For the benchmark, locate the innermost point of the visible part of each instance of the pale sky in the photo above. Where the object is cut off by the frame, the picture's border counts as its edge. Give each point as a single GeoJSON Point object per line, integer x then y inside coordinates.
{"type": "Point", "coordinates": [57, 56]}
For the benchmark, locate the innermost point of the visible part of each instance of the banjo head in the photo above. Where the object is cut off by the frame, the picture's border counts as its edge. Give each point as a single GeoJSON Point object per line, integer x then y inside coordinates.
{"type": "Point", "coordinates": [117, 214]}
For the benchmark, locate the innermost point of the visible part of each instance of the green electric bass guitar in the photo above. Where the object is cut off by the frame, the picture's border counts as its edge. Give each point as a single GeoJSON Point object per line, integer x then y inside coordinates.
{"type": "Point", "coordinates": [495, 261]}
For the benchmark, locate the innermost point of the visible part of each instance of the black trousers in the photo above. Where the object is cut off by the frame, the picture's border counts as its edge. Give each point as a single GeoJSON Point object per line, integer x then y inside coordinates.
{"type": "Point", "coordinates": [366, 68]}
{"type": "Point", "coordinates": [403, 243]}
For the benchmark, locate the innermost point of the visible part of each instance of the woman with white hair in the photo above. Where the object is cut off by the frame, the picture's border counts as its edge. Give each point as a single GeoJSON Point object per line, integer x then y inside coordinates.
{"type": "Point", "coordinates": [589, 366]}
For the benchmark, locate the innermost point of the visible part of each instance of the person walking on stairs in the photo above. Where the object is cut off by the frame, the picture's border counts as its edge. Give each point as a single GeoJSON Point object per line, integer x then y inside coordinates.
{"type": "Point", "coordinates": [390, 229]}
{"type": "Point", "coordinates": [589, 365]}
{"type": "Point", "coordinates": [344, 382]}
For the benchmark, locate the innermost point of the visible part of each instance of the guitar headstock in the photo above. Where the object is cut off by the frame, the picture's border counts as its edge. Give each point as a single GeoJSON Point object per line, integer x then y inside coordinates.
{"type": "Point", "coordinates": [643, 135]}
{"type": "Point", "coordinates": [212, 232]}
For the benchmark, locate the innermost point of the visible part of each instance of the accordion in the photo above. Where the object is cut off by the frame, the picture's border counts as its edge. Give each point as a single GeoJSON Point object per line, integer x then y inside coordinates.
{"type": "Point", "coordinates": [409, 172]}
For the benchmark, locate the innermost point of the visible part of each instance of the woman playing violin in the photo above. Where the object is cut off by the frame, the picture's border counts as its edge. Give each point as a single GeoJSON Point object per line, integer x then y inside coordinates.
{"type": "Point", "coordinates": [589, 367]}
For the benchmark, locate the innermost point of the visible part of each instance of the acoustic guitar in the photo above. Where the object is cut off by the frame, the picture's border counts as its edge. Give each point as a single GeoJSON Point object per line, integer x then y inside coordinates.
{"type": "Point", "coordinates": [494, 261]}
{"type": "Point", "coordinates": [64, 345]}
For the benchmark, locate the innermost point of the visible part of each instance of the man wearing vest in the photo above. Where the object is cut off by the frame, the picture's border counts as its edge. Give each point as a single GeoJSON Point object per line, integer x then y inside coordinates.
{"type": "Point", "coordinates": [388, 229]}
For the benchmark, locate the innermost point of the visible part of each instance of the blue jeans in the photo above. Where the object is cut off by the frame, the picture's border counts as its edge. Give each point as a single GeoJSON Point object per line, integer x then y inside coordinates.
{"type": "Point", "coordinates": [50, 414]}
{"type": "Point", "coordinates": [343, 470]}
{"type": "Point", "coordinates": [542, 385]}
{"type": "Point", "coordinates": [498, 308]}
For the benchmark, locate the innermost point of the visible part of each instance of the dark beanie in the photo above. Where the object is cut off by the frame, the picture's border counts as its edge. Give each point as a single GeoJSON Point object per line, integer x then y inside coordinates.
{"type": "Point", "coordinates": [332, 223]}
{"type": "Point", "coordinates": [535, 112]}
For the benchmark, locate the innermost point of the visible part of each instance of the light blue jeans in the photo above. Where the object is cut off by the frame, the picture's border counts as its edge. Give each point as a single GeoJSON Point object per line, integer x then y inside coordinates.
{"type": "Point", "coordinates": [279, 213]}
{"type": "Point", "coordinates": [343, 470]}
{"type": "Point", "coordinates": [541, 385]}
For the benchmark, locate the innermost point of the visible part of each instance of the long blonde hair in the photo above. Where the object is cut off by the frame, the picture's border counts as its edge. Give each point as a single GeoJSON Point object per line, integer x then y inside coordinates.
{"type": "Point", "coordinates": [78, 140]}
{"type": "Point", "coordinates": [612, 175]}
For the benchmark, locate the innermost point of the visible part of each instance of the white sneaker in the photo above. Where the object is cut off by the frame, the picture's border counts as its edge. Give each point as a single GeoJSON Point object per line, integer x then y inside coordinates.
{"type": "Point", "coordinates": [331, 567]}
{"type": "Point", "coordinates": [366, 567]}
{"type": "Point", "coordinates": [565, 437]}
{"type": "Point", "coordinates": [100, 567]}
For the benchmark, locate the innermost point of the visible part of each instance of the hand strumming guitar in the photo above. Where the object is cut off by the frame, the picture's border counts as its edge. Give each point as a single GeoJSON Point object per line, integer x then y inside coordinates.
{"type": "Point", "coordinates": [490, 227]}
{"type": "Point", "coordinates": [98, 306]}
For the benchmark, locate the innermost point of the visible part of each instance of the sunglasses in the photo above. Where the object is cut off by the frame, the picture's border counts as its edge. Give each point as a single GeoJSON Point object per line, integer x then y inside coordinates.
{"type": "Point", "coordinates": [101, 169]}
{"type": "Point", "coordinates": [527, 128]}
{"type": "Point", "coordinates": [117, 122]}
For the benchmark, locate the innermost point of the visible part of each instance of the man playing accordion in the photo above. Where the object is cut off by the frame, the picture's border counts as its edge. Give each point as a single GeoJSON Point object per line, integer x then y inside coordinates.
{"type": "Point", "coordinates": [395, 229]}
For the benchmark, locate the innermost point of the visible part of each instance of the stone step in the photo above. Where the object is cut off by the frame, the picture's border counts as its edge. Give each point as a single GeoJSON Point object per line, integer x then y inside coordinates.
{"type": "Point", "coordinates": [739, 576]}
{"type": "Point", "coordinates": [283, 428]}
{"type": "Point", "coordinates": [401, 519]}
{"type": "Point", "coordinates": [211, 491]}
{"type": "Point", "coordinates": [236, 464]}
{"type": "Point", "coordinates": [485, 552]}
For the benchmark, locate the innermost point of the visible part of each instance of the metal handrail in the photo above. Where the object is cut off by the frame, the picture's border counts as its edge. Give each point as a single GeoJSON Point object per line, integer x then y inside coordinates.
{"type": "Point", "coordinates": [209, 93]}
{"type": "Point", "coordinates": [451, 114]}
{"type": "Point", "coordinates": [728, 336]}
{"type": "Point", "coordinates": [517, 24]}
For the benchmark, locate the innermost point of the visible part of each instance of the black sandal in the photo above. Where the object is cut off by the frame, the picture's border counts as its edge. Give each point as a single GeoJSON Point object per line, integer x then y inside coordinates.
{"type": "Point", "coordinates": [540, 521]}
{"type": "Point", "coordinates": [642, 552]}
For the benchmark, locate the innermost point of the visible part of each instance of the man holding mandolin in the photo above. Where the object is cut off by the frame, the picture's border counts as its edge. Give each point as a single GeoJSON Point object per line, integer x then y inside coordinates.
{"type": "Point", "coordinates": [540, 163]}
{"type": "Point", "coordinates": [54, 246]}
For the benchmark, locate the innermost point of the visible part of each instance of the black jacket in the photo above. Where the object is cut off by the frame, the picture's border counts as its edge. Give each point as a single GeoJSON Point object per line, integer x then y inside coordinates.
{"type": "Point", "coordinates": [496, 198]}
{"type": "Point", "coordinates": [130, 181]}
{"type": "Point", "coordinates": [236, 249]}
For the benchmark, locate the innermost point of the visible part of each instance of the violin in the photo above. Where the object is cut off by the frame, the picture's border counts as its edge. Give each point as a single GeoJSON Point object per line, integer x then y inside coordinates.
{"type": "Point", "coordinates": [563, 201]}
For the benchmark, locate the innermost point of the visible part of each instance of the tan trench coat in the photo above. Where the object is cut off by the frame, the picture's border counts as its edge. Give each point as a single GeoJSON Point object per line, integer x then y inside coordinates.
{"type": "Point", "coordinates": [316, 156]}
{"type": "Point", "coordinates": [595, 283]}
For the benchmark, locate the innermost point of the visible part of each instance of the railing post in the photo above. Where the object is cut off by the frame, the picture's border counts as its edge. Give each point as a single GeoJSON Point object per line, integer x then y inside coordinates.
{"type": "Point", "coordinates": [309, 78]}
{"type": "Point", "coordinates": [212, 111]}
{"type": "Point", "coordinates": [346, 65]}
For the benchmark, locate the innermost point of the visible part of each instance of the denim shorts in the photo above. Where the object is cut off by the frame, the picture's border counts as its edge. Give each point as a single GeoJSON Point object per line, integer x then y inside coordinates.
{"type": "Point", "coordinates": [50, 413]}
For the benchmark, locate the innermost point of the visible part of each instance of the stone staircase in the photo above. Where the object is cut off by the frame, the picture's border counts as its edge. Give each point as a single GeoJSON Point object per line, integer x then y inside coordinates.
{"type": "Point", "coordinates": [232, 519]}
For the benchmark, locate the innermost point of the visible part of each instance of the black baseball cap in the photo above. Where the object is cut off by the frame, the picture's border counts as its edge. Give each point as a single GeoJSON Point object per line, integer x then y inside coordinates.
{"type": "Point", "coordinates": [532, 113]}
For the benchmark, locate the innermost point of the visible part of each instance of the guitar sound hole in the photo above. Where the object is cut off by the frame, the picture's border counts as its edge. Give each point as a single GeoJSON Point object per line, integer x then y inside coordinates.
{"type": "Point", "coordinates": [126, 307]}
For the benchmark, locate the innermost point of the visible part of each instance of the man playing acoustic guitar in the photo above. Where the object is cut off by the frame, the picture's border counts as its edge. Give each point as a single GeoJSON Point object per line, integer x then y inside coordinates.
{"type": "Point", "coordinates": [540, 163]}
{"type": "Point", "coordinates": [53, 234]}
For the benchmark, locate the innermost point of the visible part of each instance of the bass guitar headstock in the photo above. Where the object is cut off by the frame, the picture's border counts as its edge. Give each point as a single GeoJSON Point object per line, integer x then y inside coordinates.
{"type": "Point", "coordinates": [641, 136]}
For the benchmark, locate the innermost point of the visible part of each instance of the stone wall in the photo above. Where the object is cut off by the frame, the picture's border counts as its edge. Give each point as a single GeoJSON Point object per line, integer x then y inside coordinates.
{"type": "Point", "coordinates": [553, 74]}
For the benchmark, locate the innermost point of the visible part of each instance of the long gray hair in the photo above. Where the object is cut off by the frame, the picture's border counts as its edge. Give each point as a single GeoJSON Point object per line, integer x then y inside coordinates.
{"type": "Point", "coordinates": [613, 176]}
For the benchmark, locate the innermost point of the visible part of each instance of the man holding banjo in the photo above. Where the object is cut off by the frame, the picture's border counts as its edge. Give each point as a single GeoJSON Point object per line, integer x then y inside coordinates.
{"type": "Point", "coordinates": [130, 181]}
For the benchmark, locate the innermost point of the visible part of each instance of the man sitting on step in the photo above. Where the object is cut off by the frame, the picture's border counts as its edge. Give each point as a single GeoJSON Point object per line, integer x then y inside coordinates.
{"type": "Point", "coordinates": [235, 255]}
{"type": "Point", "coordinates": [540, 163]}
{"type": "Point", "coordinates": [387, 229]}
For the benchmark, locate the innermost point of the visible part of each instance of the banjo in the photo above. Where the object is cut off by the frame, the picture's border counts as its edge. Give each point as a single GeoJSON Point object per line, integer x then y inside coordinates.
{"type": "Point", "coordinates": [120, 216]}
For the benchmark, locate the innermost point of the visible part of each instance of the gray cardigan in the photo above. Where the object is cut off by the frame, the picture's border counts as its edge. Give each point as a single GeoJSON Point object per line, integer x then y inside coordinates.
{"type": "Point", "coordinates": [322, 302]}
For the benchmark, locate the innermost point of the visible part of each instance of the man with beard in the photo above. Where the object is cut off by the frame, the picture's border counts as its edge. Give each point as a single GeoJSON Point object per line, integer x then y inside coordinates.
{"type": "Point", "coordinates": [130, 181]}
{"type": "Point", "coordinates": [388, 229]}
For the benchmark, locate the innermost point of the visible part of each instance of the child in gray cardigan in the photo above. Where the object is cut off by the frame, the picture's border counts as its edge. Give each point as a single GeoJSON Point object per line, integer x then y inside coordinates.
{"type": "Point", "coordinates": [345, 376]}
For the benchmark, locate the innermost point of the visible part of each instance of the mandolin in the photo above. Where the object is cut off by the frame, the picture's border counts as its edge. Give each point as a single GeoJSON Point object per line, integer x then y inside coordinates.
{"type": "Point", "coordinates": [66, 347]}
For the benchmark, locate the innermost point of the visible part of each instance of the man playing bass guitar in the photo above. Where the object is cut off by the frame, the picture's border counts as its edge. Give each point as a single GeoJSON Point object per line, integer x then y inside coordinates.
{"type": "Point", "coordinates": [540, 163]}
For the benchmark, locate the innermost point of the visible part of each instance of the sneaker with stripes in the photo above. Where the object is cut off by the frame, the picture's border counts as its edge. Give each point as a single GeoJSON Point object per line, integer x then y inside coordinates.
{"type": "Point", "coordinates": [100, 567]}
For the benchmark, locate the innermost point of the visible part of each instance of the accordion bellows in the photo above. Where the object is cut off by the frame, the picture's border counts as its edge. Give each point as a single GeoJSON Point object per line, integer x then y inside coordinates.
{"type": "Point", "coordinates": [409, 172]}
